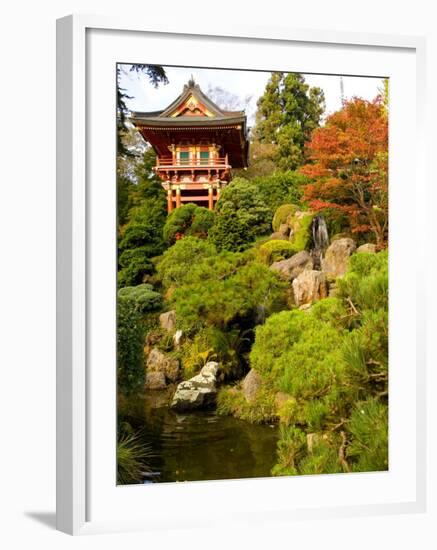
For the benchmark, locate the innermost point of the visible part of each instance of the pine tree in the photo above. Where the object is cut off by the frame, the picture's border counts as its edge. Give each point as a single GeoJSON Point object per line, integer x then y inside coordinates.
{"type": "Point", "coordinates": [288, 111]}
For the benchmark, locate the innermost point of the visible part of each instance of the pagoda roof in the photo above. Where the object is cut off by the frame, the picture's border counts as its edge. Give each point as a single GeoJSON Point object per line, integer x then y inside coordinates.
{"type": "Point", "coordinates": [193, 111]}
{"type": "Point", "coordinates": [191, 106]}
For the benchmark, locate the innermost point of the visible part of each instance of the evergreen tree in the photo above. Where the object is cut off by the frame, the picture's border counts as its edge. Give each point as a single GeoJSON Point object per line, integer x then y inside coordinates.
{"type": "Point", "coordinates": [288, 111]}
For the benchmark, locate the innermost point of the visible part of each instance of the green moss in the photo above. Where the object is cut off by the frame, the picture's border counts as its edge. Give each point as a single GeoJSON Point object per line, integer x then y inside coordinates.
{"type": "Point", "coordinates": [281, 215]}
{"type": "Point", "coordinates": [231, 401]}
{"type": "Point", "coordinates": [275, 250]}
{"type": "Point", "coordinates": [301, 227]}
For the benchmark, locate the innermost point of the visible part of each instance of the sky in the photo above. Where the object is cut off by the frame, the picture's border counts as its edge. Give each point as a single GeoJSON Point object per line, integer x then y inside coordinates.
{"type": "Point", "coordinates": [244, 84]}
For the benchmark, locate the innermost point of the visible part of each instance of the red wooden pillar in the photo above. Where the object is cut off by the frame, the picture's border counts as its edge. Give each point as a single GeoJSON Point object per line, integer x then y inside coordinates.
{"type": "Point", "coordinates": [178, 197]}
{"type": "Point", "coordinates": [169, 201]}
{"type": "Point", "coordinates": [210, 198]}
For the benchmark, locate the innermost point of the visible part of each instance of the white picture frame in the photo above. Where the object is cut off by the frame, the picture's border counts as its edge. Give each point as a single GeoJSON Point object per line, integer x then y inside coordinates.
{"type": "Point", "coordinates": [76, 310]}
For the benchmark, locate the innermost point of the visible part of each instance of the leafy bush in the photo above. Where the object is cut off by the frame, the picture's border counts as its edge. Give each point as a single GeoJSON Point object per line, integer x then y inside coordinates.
{"type": "Point", "coordinates": [281, 215]}
{"type": "Point", "coordinates": [281, 188]}
{"type": "Point", "coordinates": [140, 241]}
{"type": "Point", "coordinates": [135, 265]}
{"type": "Point", "coordinates": [177, 262]}
{"type": "Point", "coordinates": [223, 288]}
{"type": "Point", "coordinates": [130, 342]}
{"type": "Point", "coordinates": [241, 216]}
{"type": "Point", "coordinates": [189, 219]}
{"type": "Point", "coordinates": [368, 426]}
{"type": "Point", "coordinates": [333, 363]}
{"type": "Point", "coordinates": [142, 298]}
{"type": "Point", "coordinates": [275, 250]}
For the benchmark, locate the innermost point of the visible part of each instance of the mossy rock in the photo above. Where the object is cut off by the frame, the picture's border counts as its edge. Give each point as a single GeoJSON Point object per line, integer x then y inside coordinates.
{"type": "Point", "coordinates": [282, 214]}
{"type": "Point", "coordinates": [300, 225]}
{"type": "Point", "coordinates": [276, 250]}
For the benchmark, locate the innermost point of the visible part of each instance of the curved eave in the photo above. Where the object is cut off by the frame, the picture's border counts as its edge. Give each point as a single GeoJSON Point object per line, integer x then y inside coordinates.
{"type": "Point", "coordinates": [190, 122]}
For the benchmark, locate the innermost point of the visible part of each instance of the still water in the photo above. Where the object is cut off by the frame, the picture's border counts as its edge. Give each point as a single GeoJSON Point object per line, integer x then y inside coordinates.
{"type": "Point", "coordinates": [200, 445]}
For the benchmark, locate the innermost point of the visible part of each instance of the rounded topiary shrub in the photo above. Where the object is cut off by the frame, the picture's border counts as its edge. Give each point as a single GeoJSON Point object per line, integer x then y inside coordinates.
{"type": "Point", "coordinates": [188, 220]}
{"type": "Point", "coordinates": [142, 297]}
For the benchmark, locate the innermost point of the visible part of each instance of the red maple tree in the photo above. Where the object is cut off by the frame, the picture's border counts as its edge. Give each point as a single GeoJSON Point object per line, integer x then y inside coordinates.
{"type": "Point", "coordinates": [349, 168]}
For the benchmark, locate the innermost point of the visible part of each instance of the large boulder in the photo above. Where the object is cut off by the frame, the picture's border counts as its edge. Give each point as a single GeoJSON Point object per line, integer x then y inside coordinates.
{"type": "Point", "coordinates": [251, 384]}
{"type": "Point", "coordinates": [155, 380]}
{"type": "Point", "coordinates": [292, 267]}
{"type": "Point", "coordinates": [335, 262]}
{"type": "Point", "coordinates": [309, 287]}
{"type": "Point", "coordinates": [198, 392]}
{"type": "Point", "coordinates": [158, 361]}
{"type": "Point", "coordinates": [167, 320]}
{"type": "Point", "coordinates": [370, 248]}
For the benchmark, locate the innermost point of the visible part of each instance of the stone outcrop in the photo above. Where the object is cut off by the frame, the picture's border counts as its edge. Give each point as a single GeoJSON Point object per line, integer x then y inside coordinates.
{"type": "Point", "coordinates": [335, 262]}
{"type": "Point", "coordinates": [155, 380]}
{"type": "Point", "coordinates": [292, 267]}
{"type": "Point", "coordinates": [198, 392]}
{"type": "Point", "coordinates": [158, 361]}
{"type": "Point", "coordinates": [370, 248]}
{"type": "Point", "coordinates": [167, 320]}
{"type": "Point", "coordinates": [251, 384]}
{"type": "Point", "coordinates": [309, 287]}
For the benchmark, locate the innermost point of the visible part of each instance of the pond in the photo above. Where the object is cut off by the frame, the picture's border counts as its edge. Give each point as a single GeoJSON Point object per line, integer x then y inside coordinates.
{"type": "Point", "coordinates": [195, 446]}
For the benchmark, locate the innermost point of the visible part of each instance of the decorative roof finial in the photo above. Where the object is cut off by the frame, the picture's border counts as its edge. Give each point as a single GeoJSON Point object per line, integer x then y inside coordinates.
{"type": "Point", "coordinates": [191, 82]}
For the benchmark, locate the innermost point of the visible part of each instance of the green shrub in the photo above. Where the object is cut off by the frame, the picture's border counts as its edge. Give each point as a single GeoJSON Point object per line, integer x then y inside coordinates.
{"type": "Point", "coordinates": [241, 216]}
{"type": "Point", "coordinates": [281, 215]}
{"type": "Point", "coordinates": [368, 427]}
{"type": "Point", "coordinates": [221, 289]}
{"type": "Point", "coordinates": [140, 241]}
{"type": "Point", "coordinates": [281, 188]}
{"type": "Point", "coordinates": [178, 261]}
{"type": "Point", "coordinates": [187, 220]}
{"type": "Point", "coordinates": [135, 266]}
{"type": "Point", "coordinates": [142, 297]}
{"type": "Point", "coordinates": [130, 342]}
{"type": "Point", "coordinates": [333, 362]}
{"type": "Point", "coordinates": [275, 250]}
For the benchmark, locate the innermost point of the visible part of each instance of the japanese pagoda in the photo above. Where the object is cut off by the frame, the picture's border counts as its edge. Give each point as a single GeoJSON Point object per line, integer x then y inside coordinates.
{"type": "Point", "coordinates": [197, 144]}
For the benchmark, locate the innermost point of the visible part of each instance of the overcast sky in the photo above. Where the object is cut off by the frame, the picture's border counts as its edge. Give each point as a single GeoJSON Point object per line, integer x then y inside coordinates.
{"type": "Point", "coordinates": [244, 84]}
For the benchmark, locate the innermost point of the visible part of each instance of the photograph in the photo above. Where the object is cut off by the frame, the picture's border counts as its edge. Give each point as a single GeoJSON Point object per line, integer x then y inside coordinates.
{"type": "Point", "coordinates": [252, 273]}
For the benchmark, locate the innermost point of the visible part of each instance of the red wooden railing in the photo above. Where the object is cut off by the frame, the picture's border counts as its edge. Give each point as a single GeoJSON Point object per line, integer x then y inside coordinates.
{"type": "Point", "coordinates": [218, 162]}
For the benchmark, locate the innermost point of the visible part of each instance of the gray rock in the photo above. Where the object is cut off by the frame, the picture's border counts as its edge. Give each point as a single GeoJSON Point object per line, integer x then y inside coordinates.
{"type": "Point", "coordinates": [251, 384]}
{"type": "Point", "coordinates": [167, 320]}
{"type": "Point", "coordinates": [292, 267]}
{"type": "Point", "coordinates": [158, 361]}
{"type": "Point", "coordinates": [309, 287]}
{"type": "Point", "coordinates": [155, 380]}
{"type": "Point", "coordinates": [370, 248]}
{"type": "Point", "coordinates": [198, 392]}
{"type": "Point", "coordinates": [335, 262]}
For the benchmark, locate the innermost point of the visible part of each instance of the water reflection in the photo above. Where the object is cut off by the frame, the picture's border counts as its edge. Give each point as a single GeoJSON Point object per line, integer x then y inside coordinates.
{"type": "Point", "coordinates": [199, 445]}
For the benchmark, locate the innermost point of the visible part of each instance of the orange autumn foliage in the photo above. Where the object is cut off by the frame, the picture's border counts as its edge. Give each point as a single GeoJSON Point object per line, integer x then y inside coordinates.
{"type": "Point", "coordinates": [349, 167]}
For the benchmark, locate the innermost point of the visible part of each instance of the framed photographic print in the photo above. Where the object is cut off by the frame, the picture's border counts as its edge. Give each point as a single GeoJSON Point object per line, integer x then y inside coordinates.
{"type": "Point", "coordinates": [240, 331]}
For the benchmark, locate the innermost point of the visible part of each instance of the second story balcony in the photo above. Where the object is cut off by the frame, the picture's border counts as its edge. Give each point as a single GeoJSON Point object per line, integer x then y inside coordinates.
{"type": "Point", "coordinates": [219, 163]}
